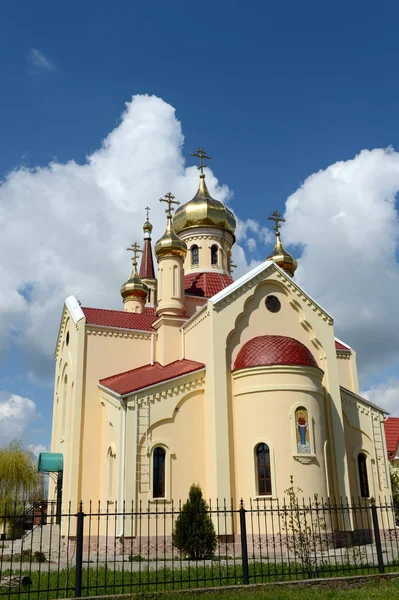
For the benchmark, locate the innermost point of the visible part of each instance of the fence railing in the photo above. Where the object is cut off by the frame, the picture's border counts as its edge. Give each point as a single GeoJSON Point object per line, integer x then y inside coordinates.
{"type": "Point", "coordinates": [100, 550]}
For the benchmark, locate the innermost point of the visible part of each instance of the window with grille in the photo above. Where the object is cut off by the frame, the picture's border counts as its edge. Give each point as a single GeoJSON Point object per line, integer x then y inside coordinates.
{"type": "Point", "coordinates": [214, 255]}
{"type": "Point", "coordinates": [363, 478]}
{"type": "Point", "coordinates": [194, 255]}
{"type": "Point", "coordinates": [158, 473]}
{"type": "Point", "coordinates": [263, 470]}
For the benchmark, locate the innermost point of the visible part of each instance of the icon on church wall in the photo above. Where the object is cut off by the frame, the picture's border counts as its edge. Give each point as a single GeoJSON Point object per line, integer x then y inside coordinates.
{"type": "Point", "coordinates": [302, 431]}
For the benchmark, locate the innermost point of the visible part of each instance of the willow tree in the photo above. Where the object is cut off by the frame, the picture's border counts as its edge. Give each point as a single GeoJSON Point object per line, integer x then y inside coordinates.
{"type": "Point", "coordinates": [20, 483]}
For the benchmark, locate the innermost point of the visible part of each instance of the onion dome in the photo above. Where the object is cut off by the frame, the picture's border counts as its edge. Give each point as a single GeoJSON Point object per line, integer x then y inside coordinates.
{"type": "Point", "coordinates": [268, 350]}
{"type": "Point", "coordinates": [280, 256]}
{"type": "Point", "coordinates": [134, 287]}
{"type": "Point", "coordinates": [204, 211]}
{"type": "Point", "coordinates": [169, 244]}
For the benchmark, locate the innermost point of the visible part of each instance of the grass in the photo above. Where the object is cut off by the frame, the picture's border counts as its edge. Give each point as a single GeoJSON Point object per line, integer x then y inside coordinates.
{"type": "Point", "coordinates": [102, 580]}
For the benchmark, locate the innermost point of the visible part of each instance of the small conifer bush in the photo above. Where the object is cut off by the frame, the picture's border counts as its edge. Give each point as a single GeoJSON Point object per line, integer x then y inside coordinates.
{"type": "Point", "coordinates": [194, 534]}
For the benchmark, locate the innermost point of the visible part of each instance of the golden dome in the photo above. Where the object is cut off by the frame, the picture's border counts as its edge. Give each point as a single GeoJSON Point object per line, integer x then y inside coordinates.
{"type": "Point", "coordinates": [169, 244]}
{"type": "Point", "coordinates": [134, 287]}
{"type": "Point", "coordinates": [204, 211]}
{"type": "Point", "coordinates": [282, 258]}
{"type": "Point", "coordinates": [147, 227]}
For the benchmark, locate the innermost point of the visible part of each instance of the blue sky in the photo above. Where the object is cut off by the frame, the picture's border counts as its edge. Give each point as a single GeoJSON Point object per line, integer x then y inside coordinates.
{"type": "Point", "coordinates": [274, 91]}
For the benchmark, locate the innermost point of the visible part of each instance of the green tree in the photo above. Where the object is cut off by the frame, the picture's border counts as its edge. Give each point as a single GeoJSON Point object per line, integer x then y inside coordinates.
{"type": "Point", "coordinates": [395, 489]}
{"type": "Point", "coordinates": [194, 534]}
{"type": "Point", "coordinates": [20, 483]}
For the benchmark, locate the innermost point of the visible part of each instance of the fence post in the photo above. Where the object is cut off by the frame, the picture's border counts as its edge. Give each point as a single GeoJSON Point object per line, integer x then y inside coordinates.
{"type": "Point", "coordinates": [244, 547]}
{"type": "Point", "coordinates": [377, 536]}
{"type": "Point", "coordinates": [79, 552]}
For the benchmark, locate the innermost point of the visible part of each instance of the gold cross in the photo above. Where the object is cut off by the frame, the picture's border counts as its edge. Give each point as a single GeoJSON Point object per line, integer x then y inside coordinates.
{"type": "Point", "coordinates": [201, 154]}
{"type": "Point", "coordinates": [135, 248]}
{"type": "Point", "coordinates": [277, 218]}
{"type": "Point", "coordinates": [147, 210]}
{"type": "Point", "coordinates": [169, 199]}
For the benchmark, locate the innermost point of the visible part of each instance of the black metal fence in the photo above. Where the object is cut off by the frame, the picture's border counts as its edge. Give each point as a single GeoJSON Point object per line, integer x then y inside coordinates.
{"type": "Point", "coordinates": [100, 550]}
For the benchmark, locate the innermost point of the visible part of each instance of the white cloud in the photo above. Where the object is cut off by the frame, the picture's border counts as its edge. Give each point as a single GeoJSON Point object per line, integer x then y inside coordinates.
{"type": "Point", "coordinates": [16, 413]}
{"type": "Point", "coordinates": [345, 222]}
{"type": "Point", "coordinates": [36, 449]}
{"type": "Point", "coordinates": [385, 395]}
{"type": "Point", "coordinates": [251, 244]}
{"type": "Point", "coordinates": [39, 61]}
{"type": "Point", "coordinates": [65, 227]}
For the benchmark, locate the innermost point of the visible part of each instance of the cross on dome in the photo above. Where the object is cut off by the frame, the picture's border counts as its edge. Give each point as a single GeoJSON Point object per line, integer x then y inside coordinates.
{"type": "Point", "coordinates": [170, 200]}
{"type": "Point", "coordinates": [135, 248]}
{"type": "Point", "coordinates": [201, 154]}
{"type": "Point", "coordinates": [277, 218]}
{"type": "Point", "coordinates": [147, 212]}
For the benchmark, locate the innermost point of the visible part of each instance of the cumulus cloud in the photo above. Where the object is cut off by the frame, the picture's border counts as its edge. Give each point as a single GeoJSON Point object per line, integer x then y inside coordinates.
{"type": "Point", "coordinates": [39, 61]}
{"type": "Point", "coordinates": [345, 225]}
{"type": "Point", "coordinates": [64, 228]}
{"type": "Point", "coordinates": [16, 413]}
{"type": "Point", "coordinates": [385, 395]}
{"type": "Point", "coordinates": [36, 449]}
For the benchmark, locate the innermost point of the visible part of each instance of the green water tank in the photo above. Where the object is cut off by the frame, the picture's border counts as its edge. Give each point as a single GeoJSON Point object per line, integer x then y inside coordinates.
{"type": "Point", "coordinates": [50, 462]}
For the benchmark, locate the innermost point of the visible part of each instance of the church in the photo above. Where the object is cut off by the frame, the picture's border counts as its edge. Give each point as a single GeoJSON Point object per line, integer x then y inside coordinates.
{"type": "Point", "coordinates": [240, 386]}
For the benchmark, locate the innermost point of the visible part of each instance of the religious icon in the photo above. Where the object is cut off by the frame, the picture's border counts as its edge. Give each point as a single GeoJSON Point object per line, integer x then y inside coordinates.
{"type": "Point", "coordinates": [302, 431]}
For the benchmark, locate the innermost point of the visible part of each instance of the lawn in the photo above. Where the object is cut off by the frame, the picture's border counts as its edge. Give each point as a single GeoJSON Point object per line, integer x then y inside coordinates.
{"type": "Point", "coordinates": [377, 591]}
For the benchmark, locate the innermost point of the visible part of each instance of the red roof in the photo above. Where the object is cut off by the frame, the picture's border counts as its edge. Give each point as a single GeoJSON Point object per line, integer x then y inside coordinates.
{"type": "Point", "coordinates": [147, 262]}
{"type": "Point", "coordinates": [339, 346]}
{"type": "Point", "coordinates": [205, 285]}
{"type": "Point", "coordinates": [149, 375]}
{"type": "Point", "coordinates": [391, 426]}
{"type": "Point", "coordinates": [273, 350]}
{"type": "Point", "coordinates": [120, 318]}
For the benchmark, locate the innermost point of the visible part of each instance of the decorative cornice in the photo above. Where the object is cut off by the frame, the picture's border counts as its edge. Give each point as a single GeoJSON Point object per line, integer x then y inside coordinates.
{"type": "Point", "coordinates": [229, 296]}
{"type": "Point", "coordinates": [360, 407]}
{"type": "Point", "coordinates": [279, 369]}
{"type": "Point", "coordinates": [204, 314]}
{"type": "Point", "coordinates": [179, 389]}
{"type": "Point", "coordinates": [344, 354]}
{"type": "Point", "coordinates": [119, 333]}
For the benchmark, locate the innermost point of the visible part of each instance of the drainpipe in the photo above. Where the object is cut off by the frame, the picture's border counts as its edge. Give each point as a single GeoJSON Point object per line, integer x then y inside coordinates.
{"type": "Point", "coordinates": [123, 463]}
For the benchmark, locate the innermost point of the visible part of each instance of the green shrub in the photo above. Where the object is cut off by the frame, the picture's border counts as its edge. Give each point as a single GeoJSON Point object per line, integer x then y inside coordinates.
{"type": "Point", "coordinates": [136, 558]}
{"type": "Point", "coordinates": [39, 556]}
{"type": "Point", "coordinates": [194, 534]}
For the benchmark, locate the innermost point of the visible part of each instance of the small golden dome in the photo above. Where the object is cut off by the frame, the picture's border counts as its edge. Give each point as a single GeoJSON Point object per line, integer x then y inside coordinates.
{"type": "Point", "coordinates": [204, 211]}
{"type": "Point", "coordinates": [282, 258]}
{"type": "Point", "coordinates": [134, 287]}
{"type": "Point", "coordinates": [147, 227]}
{"type": "Point", "coordinates": [169, 244]}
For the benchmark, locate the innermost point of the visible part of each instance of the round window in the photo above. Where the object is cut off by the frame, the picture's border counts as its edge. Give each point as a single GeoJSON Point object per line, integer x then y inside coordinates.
{"type": "Point", "coordinates": [273, 304]}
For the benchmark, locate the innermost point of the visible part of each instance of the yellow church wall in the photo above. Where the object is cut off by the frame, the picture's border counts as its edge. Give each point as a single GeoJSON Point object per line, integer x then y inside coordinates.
{"type": "Point", "coordinates": [347, 371]}
{"type": "Point", "coordinates": [67, 410]}
{"type": "Point", "coordinates": [107, 352]}
{"type": "Point", "coordinates": [364, 432]}
{"type": "Point", "coordinates": [264, 403]}
{"type": "Point", "coordinates": [232, 319]}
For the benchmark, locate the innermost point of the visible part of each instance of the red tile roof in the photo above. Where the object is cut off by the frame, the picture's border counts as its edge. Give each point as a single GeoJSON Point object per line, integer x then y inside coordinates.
{"type": "Point", "coordinates": [339, 346]}
{"type": "Point", "coordinates": [273, 350]}
{"type": "Point", "coordinates": [147, 262]}
{"type": "Point", "coordinates": [137, 379]}
{"type": "Point", "coordinates": [391, 426]}
{"type": "Point", "coordinates": [120, 318]}
{"type": "Point", "coordinates": [205, 284]}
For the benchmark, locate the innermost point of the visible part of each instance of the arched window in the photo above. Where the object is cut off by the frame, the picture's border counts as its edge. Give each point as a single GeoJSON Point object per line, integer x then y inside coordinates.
{"type": "Point", "coordinates": [110, 460]}
{"type": "Point", "coordinates": [214, 255]}
{"type": "Point", "coordinates": [363, 479]}
{"type": "Point", "coordinates": [194, 255]}
{"type": "Point", "coordinates": [158, 473]}
{"type": "Point", "coordinates": [64, 405]}
{"type": "Point", "coordinates": [263, 470]}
